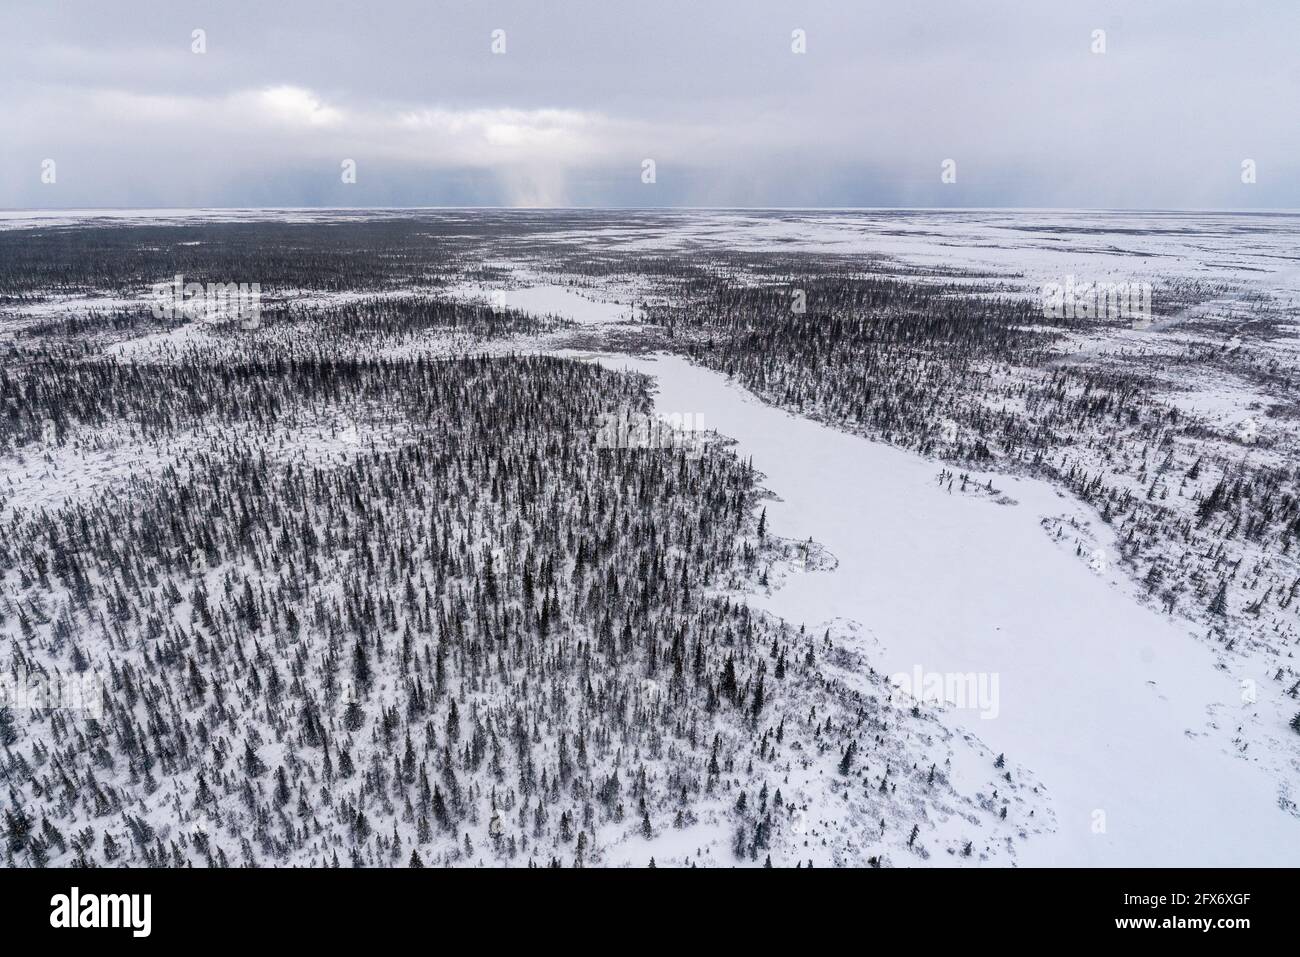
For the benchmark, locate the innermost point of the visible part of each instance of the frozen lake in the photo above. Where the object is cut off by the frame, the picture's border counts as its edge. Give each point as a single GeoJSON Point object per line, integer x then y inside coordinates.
{"type": "Point", "coordinates": [543, 300]}
{"type": "Point", "coordinates": [1102, 700]}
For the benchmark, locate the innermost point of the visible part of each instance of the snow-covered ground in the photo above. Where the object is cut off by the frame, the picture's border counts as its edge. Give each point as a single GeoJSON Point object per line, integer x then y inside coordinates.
{"type": "Point", "coordinates": [1108, 703]}
{"type": "Point", "coordinates": [1038, 245]}
{"type": "Point", "coordinates": [1118, 710]}
{"type": "Point", "coordinates": [548, 300]}
{"type": "Point", "coordinates": [1147, 749]}
{"type": "Point", "coordinates": [45, 218]}
{"type": "Point", "coordinates": [1122, 714]}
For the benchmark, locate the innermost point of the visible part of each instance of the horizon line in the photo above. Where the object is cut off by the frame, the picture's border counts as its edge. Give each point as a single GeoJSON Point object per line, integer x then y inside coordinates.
{"type": "Point", "coordinates": [498, 208]}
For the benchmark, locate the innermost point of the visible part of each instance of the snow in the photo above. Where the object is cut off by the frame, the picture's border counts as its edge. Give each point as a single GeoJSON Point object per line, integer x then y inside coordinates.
{"type": "Point", "coordinates": [547, 300]}
{"type": "Point", "coordinates": [1104, 700]}
{"type": "Point", "coordinates": [1130, 723]}
{"type": "Point", "coordinates": [1222, 400]}
{"type": "Point", "coordinates": [45, 218]}
{"type": "Point", "coordinates": [1255, 249]}
{"type": "Point", "coordinates": [170, 342]}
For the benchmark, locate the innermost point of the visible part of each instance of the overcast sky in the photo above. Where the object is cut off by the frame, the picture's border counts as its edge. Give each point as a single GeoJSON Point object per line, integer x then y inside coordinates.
{"type": "Point", "coordinates": [711, 90]}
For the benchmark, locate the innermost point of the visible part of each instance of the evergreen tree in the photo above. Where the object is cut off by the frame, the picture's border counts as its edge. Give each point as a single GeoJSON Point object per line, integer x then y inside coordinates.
{"type": "Point", "coordinates": [1219, 605]}
{"type": "Point", "coordinates": [8, 732]}
{"type": "Point", "coordinates": [846, 761]}
{"type": "Point", "coordinates": [253, 765]}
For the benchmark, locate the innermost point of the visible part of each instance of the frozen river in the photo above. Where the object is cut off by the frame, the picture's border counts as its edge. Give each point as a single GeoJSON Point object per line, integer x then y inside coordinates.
{"type": "Point", "coordinates": [1102, 700]}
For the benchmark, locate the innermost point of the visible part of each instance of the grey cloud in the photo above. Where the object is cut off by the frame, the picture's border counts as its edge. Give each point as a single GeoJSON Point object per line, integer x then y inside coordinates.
{"type": "Point", "coordinates": [712, 92]}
